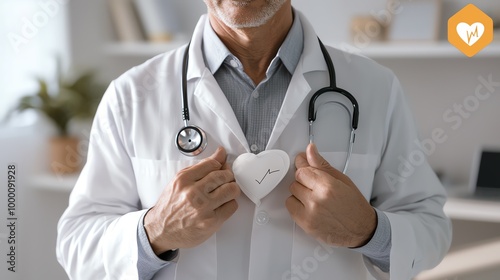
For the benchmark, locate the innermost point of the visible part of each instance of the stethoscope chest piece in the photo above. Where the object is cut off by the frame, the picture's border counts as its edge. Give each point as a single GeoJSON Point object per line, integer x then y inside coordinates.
{"type": "Point", "coordinates": [191, 140]}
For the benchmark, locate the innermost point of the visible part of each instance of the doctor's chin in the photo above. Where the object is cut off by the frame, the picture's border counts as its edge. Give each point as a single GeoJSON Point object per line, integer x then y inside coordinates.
{"type": "Point", "coordinates": [250, 140]}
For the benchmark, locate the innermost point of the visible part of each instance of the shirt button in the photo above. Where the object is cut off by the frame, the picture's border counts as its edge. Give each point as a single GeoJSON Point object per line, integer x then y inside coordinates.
{"type": "Point", "coordinates": [262, 218]}
{"type": "Point", "coordinates": [233, 63]}
{"type": "Point", "coordinates": [254, 148]}
{"type": "Point", "coordinates": [255, 94]}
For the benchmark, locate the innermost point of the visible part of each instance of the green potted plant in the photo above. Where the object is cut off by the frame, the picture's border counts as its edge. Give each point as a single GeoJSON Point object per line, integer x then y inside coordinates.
{"type": "Point", "coordinates": [71, 98]}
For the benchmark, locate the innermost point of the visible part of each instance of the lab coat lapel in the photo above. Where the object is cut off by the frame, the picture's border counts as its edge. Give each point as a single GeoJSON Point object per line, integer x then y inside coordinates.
{"type": "Point", "coordinates": [210, 94]}
{"type": "Point", "coordinates": [295, 95]}
{"type": "Point", "coordinates": [207, 93]}
{"type": "Point", "coordinates": [299, 89]}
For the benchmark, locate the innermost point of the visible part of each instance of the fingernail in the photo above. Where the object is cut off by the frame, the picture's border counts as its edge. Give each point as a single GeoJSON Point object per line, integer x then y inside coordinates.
{"type": "Point", "coordinates": [315, 149]}
{"type": "Point", "coordinates": [214, 154]}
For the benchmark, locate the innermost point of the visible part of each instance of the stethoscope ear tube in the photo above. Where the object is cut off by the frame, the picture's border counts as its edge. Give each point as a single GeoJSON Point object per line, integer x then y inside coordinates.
{"type": "Point", "coordinates": [355, 109]}
{"type": "Point", "coordinates": [333, 88]}
{"type": "Point", "coordinates": [355, 113]}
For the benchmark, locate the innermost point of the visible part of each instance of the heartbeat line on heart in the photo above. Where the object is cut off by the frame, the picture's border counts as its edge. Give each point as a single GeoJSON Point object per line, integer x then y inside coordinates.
{"type": "Point", "coordinates": [269, 172]}
{"type": "Point", "coordinates": [472, 34]}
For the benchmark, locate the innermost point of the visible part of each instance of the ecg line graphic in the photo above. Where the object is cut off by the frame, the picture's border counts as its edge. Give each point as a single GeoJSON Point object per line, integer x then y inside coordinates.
{"type": "Point", "coordinates": [472, 34]}
{"type": "Point", "coordinates": [269, 172]}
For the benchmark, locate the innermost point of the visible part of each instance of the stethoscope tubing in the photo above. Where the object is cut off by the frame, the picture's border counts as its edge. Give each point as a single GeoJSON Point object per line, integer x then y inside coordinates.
{"type": "Point", "coordinates": [196, 144]}
{"type": "Point", "coordinates": [199, 147]}
{"type": "Point", "coordinates": [333, 88]}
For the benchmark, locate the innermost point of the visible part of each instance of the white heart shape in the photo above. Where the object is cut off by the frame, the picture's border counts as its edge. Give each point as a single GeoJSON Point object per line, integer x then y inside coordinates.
{"type": "Point", "coordinates": [258, 175]}
{"type": "Point", "coordinates": [470, 34]}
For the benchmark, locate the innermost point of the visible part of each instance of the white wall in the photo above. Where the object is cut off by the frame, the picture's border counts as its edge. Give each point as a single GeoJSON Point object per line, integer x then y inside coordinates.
{"type": "Point", "coordinates": [434, 86]}
{"type": "Point", "coordinates": [32, 34]}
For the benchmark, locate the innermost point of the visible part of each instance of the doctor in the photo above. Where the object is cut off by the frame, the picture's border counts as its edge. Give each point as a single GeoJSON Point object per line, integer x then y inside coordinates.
{"type": "Point", "coordinates": [142, 209]}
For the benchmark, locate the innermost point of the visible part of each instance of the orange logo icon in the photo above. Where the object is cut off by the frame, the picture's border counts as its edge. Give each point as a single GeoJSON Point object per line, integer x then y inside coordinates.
{"type": "Point", "coordinates": [470, 30]}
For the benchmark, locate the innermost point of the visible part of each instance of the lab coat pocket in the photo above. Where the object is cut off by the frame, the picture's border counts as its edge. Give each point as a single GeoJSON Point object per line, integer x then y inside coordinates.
{"type": "Point", "coordinates": [361, 169]}
{"type": "Point", "coordinates": [152, 176]}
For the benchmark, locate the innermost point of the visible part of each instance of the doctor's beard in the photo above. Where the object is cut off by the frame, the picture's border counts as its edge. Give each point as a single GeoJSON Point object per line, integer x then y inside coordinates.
{"type": "Point", "coordinates": [227, 12]}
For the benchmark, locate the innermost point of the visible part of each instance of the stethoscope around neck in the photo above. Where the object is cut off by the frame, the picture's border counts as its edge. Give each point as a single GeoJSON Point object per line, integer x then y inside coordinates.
{"type": "Point", "coordinates": [192, 140]}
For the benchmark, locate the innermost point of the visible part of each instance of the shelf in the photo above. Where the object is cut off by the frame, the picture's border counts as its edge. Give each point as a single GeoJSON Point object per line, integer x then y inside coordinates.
{"type": "Point", "coordinates": [52, 182]}
{"type": "Point", "coordinates": [462, 205]}
{"type": "Point", "coordinates": [375, 50]}
{"type": "Point", "coordinates": [419, 50]}
{"type": "Point", "coordinates": [143, 48]}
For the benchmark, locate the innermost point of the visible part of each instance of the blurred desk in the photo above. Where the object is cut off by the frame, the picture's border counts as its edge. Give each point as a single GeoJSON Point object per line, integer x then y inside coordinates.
{"type": "Point", "coordinates": [462, 205]}
{"type": "Point", "coordinates": [473, 209]}
{"type": "Point", "coordinates": [467, 261]}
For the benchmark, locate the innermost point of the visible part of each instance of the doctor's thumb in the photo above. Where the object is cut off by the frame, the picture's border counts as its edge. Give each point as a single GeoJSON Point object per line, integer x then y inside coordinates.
{"type": "Point", "coordinates": [219, 155]}
{"type": "Point", "coordinates": [317, 161]}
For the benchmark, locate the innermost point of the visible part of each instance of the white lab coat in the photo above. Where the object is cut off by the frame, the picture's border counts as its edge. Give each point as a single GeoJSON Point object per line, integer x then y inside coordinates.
{"type": "Point", "coordinates": [132, 157]}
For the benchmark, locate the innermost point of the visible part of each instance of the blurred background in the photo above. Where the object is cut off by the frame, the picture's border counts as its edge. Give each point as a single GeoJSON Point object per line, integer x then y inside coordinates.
{"type": "Point", "coordinates": [58, 56]}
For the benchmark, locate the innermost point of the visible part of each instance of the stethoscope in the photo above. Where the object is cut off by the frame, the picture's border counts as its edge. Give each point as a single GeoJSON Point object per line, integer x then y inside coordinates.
{"type": "Point", "coordinates": [192, 140]}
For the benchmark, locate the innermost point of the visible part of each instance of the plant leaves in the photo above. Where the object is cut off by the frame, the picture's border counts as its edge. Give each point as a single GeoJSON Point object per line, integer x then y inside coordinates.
{"type": "Point", "coordinates": [74, 98]}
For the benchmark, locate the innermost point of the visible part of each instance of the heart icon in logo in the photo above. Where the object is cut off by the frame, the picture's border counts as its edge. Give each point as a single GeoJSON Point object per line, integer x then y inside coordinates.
{"type": "Point", "coordinates": [257, 175]}
{"type": "Point", "coordinates": [470, 34]}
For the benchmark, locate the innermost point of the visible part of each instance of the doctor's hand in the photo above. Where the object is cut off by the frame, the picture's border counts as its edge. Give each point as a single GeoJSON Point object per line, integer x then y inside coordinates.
{"type": "Point", "coordinates": [193, 206]}
{"type": "Point", "coordinates": [327, 205]}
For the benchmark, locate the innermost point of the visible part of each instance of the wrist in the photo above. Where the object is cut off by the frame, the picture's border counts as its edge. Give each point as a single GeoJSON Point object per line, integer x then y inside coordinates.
{"type": "Point", "coordinates": [155, 235]}
{"type": "Point", "coordinates": [371, 227]}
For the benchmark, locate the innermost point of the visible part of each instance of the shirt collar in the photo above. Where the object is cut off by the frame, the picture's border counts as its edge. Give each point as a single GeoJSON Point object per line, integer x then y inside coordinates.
{"type": "Point", "coordinates": [216, 53]}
